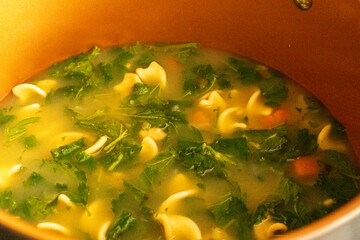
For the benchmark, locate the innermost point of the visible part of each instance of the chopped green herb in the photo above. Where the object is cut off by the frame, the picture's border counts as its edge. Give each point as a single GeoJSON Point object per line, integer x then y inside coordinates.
{"type": "Point", "coordinates": [7, 200]}
{"type": "Point", "coordinates": [200, 80]}
{"type": "Point", "coordinates": [248, 74]}
{"type": "Point", "coordinates": [82, 196]}
{"type": "Point", "coordinates": [106, 71]}
{"type": "Point", "coordinates": [306, 143]}
{"type": "Point", "coordinates": [123, 223]}
{"type": "Point", "coordinates": [203, 159]}
{"type": "Point", "coordinates": [67, 150]}
{"type": "Point", "coordinates": [285, 205]}
{"type": "Point", "coordinates": [273, 90]}
{"type": "Point", "coordinates": [139, 195]}
{"type": "Point", "coordinates": [235, 146]}
{"type": "Point", "coordinates": [181, 51]}
{"type": "Point", "coordinates": [61, 187]}
{"type": "Point", "coordinates": [5, 118]}
{"type": "Point", "coordinates": [158, 165]}
{"type": "Point", "coordinates": [35, 209]}
{"type": "Point", "coordinates": [30, 141]}
{"type": "Point", "coordinates": [111, 128]}
{"type": "Point", "coordinates": [19, 129]}
{"type": "Point", "coordinates": [33, 179]}
{"type": "Point", "coordinates": [338, 130]}
{"type": "Point", "coordinates": [233, 211]}
{"type": "Point", "coordinates": [201, 186]}
{"type": "Point", "coordinates": [313, 105]}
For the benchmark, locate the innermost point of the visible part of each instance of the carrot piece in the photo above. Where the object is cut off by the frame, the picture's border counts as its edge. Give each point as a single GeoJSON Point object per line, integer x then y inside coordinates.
{"type": "Point", "coordinates": [306, 167]}
{"type": "Point", "coordinates": [200, 119]}
{"type": "Point", "coordinates": [173, 63]}
{"type": "Point", "coordinates": [276, 118]}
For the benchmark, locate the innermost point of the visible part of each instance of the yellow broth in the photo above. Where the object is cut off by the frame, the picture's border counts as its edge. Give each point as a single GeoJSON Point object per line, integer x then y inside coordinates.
{"type": "Point", "coordinates": [226, 138]}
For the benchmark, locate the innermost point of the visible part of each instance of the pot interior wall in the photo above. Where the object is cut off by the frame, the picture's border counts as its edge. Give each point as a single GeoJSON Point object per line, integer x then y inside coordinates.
{"type": "Point", "coordinates": [318, 48]}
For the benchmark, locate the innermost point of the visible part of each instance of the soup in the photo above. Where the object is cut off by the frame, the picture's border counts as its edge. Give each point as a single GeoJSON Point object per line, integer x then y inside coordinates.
{"type": "Point", "coordinates": [170, 142]}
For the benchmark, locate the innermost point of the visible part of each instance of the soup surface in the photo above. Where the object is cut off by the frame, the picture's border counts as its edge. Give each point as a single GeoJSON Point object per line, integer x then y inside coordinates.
{"type": "Point", "coordinates": [170, 142]}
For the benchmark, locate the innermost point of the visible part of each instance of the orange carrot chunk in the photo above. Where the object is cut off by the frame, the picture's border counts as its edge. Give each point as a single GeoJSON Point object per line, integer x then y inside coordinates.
{"type": "Point", "coordinates": [173, 63]}
{"type": "Point", "coordinates": [200, 119]}
{"type": "Point", "coordinates": [276, 118]}
{"type": "Point", "coordinates": [306, 167]}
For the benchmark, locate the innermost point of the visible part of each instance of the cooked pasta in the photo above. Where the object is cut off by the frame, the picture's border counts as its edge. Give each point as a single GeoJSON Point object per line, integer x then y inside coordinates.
{"type": "Point", "coordinates": [170, 142]}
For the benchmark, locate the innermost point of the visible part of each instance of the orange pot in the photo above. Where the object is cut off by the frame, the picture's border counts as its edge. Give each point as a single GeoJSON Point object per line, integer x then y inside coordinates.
{"type": "Point", "coordinates": [319, 48]}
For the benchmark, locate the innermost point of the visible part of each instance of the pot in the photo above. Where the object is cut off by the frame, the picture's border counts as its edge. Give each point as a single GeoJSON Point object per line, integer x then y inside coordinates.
{"type": "Point", "coordinates": [318, 48]}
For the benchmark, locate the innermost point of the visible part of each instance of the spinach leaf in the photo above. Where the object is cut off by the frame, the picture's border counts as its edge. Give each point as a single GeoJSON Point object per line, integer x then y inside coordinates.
{"type": "Point", "coordinates": [61, 187]}
{"type": "Point", "coordinates": [5, 118]}
{"type": "Point", "coordinates": [199, 80]}
{"type": "Point", "coordinates": [248, 74]}
{"type": "Point", "coordinates": [35, 209]}
{"type": "Point", "coordinates": [81, 197]}
{"type": "Point", "coordinates": [158, 165]}
{"type": "Point", "coordinates": [313, 105]}
{"type": "Point", "coordinates": [273, 90]}
{"type": "Point", "coordinates": [67, 150]}
{"type": "Point", "coordinates": [273, 143]}
{"type": "Point", "coordinates": [229, 208]}
{"type": "Point", "coordinates": [144, 105]}
{"type": "Point", "coordinates": [222, 82]}
{"type": "Point", "coordinates": [337, 178]}
{"type": "Point", "coordinates": [22, 202]}
{"type": "Point", "coordinates": [266, 145]}
{"type": "Point", "coordinates": [188, 135]}
{"type": "Point", "coordinates": [124, 222]}
{"type": "Point", "coordinates": [76, 67]}
{"type": "Point", "coordinates": [75, 92]}
{"type": "Point", "coordinates": [144, 54]}
{"type": "Point", "coordinates": [182, 51]}
{"type": "Point", "coordinates": [139, 195]}
{"type": "Point", "coordinates": [123, 56]}
{"type": "Point", "coordinates": [33, 179]}
{"type": "Point", "coordinates": [110, 128]}
{"type": "Point", "coordinates": [337, 163]}
{"type": "Point", "coordinates": [233, 211]}
{"type": "Point", "coordinates": [286, 205]}
{"type": "Point", "coordinates": [30, 141]}
{"type": "Point", "coordinates": [235, 146]}
{"type": "Point", "coordinates": [143, 95]}
{"type": "Point", "coordinates": [7, 200]}
{"type": "Point", "coordinates": [31, 209]}
{"type": "Point", "coordinates": [13, 133]}
{"type": "Point", "coordinates": [306, 143]}
{"type": "Point", "coordinates": [203, 159]}
{"type": "Point", "coordinates": [106, 71]}
{"type": "Point", "coordinates": [82, 73]}
{"type": "Point", "coordinates": [340, 188]}
{"type": "Point", "coordinates": [120, 152]}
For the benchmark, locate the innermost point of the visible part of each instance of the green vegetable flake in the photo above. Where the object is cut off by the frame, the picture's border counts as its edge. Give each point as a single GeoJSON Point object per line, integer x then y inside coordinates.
{"type": "Point", "coordinates": [139, 195]}
{"type": "Point", "coordinates": [273, 90]}
{"type": "Point", "coordinates": [30, 141]}
{"type": "Point", "coordinates": [19, 129]}
{"type": "Point", "coordinates": [248, 74]}
{"type": "Point", "coordinates": [5, 118]}
{"type": "Point", "coordinates": [7, 200]}
{"type": "Point", "coordinates": [200, 80]}
{"type": "Point", "coordinates": [33, 179]}
{"type": "Point", "coordinates": [158, 165]}
{"type": "Point", "coordinates": [67, 150]}
{"type": "Point", "coordinates": [337, 178]}
{"type": "Point", "coordinates": [124, 222]}
{"type": "Point", "coordinates": [232, 212]}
